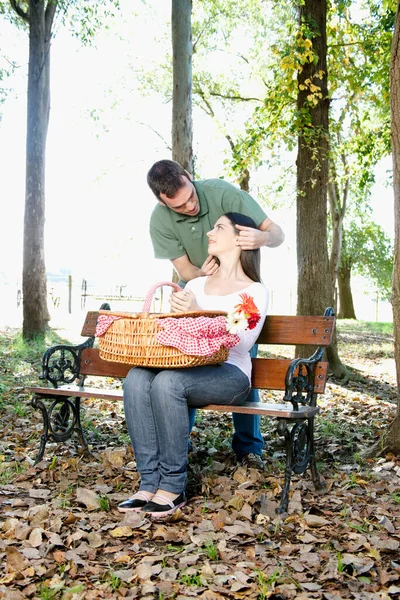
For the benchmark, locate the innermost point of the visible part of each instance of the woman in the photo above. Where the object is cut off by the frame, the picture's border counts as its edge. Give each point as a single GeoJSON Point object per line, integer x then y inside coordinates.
{"type": "Point", "coordinates": [156, 400]}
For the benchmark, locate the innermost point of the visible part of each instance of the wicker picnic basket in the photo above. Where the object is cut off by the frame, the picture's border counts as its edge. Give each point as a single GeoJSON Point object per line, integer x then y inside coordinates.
{"type": "Point", "coordinates": [131, 339]}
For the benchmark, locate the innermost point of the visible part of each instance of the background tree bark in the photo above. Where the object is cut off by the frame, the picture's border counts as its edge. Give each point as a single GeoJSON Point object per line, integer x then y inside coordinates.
{"type": "Point", "coordinates": [314, 286]}
{"type": "Point", "coordinates": [346, 306]}
{"type": "Point", "coordinates": [35, 312]}
{"type": "Point", "coordinates": [182, 129]}
{"type": "Point", "coordinates": [390, 441]}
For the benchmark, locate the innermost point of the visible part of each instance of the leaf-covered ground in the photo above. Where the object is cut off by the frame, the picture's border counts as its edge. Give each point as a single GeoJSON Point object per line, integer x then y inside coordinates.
{"type": "Point", "coordinates": [62, 537]}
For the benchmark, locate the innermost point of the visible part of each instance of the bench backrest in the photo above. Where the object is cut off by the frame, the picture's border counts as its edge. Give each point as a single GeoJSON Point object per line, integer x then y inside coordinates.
{"type": "Point", "coordinates": [268, 373]}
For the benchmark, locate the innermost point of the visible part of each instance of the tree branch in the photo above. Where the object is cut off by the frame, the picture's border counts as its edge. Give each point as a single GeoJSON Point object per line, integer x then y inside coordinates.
{"type": "Point", "coordinates": [50, 11]}
{"type": "Point", "coordinates": [21, 13]}
{"type": "Point", "coordinates": [236, 98]}
{"type": "Point", "coordinates": [156, 132]}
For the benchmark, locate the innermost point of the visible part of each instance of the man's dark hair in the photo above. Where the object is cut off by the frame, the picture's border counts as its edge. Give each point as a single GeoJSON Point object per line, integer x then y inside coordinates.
{"type": "Point", "coordinates": [249, 259]}
{"type": "Point", "coordinates": [165, 177]}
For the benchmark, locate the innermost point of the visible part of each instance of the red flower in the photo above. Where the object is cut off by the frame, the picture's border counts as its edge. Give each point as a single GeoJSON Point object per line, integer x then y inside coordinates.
{"type": "Point", "coordinates": [247, 306]}
{"type": "Point", "coordinates": [253, 320]}
{"type": "Point", "coordinates": [249, 309]}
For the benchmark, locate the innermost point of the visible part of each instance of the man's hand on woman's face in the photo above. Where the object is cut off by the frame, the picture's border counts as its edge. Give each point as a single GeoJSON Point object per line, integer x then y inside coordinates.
{"type": "Point", "coordinates": [250, 238]}
{"type": "Point", "coordinates": [209, 266]}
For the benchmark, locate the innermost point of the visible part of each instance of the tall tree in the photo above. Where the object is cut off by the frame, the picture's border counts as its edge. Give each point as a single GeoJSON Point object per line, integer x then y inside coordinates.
{"type": "Point", "coordinates": [39, 17]}
{"type": "Point", "coordinates": [390, 441]}
{"type": "Point", "coordinates": [367, 251]}
{"type": "Point", "coordinates": [359, 57]}
{"type": "Point", "coordinates": [313, 286]}
{"type": "Point", "coordinates": [182, 130]}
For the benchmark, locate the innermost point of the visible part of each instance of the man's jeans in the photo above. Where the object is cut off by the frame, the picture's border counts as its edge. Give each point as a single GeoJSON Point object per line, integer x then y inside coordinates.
{"type": "Point", "coordinates": [156, 411]}
{"type": "Point", "coordinates": [247, 438]}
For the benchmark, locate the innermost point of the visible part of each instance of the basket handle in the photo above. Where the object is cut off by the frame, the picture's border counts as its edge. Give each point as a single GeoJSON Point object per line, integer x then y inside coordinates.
{"type": "Point", "coordinates": [150, 293]}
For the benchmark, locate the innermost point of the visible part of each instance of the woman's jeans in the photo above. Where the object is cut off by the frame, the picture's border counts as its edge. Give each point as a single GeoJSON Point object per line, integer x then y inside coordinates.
{"type": "Point", "coordinates": [247, 437]}
{"type": "Point", "coordinates": [156, 411]}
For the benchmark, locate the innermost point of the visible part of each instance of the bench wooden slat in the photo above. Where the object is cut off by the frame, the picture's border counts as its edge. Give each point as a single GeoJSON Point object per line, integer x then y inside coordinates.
{"type": "Point", "coordinates": [278, 329]}
{"type": "Point", "coordinates": [293, 330]}
{"type": "Point", "coordinates": [268, 373]}
{"type": "Point", "coordinates": [260, 408]}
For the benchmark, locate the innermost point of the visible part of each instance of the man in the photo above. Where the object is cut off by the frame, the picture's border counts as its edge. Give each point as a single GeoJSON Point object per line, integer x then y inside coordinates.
{"type": "Point", "coordinates": [186, 211]}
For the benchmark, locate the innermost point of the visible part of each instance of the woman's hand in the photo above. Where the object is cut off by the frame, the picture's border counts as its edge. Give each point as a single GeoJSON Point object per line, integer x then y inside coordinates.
{"type": "Point", "coordinates": [183, 301]}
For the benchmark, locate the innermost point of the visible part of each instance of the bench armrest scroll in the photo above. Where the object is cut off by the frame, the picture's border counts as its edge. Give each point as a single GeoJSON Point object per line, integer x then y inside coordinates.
{"type": "Point", "coordinates": [299, 380]}
{"type": "Point", "coordinates": [62, 363]}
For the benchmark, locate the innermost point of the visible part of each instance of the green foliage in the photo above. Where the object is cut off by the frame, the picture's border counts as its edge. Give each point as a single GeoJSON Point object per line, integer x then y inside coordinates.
{"type": "Point", "coordinates": [368, 251]}
{"type": "Point", "coordinates": [359, 58]}
{"type": "Point", "coordinates": [211, 550]}
{"type": "Point", "coordinates": [191, 579]}
{"type": "Point", "coordinates": [104, 503]}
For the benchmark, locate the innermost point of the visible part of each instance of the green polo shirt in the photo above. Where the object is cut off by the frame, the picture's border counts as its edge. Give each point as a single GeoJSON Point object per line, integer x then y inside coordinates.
{"type": "Point", "coordinates": [173, 235]}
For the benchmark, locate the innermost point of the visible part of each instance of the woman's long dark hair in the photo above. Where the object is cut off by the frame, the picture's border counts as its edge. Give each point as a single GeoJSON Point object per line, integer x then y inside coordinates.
{"type": "Point", "coordinates": [249, 259]}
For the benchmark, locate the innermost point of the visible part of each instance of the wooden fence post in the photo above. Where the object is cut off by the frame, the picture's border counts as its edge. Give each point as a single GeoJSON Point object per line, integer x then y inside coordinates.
{"type": "Point", "coordinates": [69, 294]}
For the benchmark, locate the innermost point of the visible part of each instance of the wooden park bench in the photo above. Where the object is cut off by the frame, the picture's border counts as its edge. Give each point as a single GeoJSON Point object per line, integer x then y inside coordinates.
{"type": "Point", "coordinates": [66, 368]}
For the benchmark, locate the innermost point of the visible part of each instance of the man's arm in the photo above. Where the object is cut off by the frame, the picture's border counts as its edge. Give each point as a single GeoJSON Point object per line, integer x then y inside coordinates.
{"type": "Point", "coordinates": [187, 271]}
{"type": "Point", "coordinates": [275, 235]}
{"type": "Point", "coordinates": [268, 234]}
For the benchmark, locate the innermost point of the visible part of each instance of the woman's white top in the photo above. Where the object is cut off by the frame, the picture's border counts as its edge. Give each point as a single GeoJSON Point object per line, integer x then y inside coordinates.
{"type": "Point", "coordinates": [239, 355]}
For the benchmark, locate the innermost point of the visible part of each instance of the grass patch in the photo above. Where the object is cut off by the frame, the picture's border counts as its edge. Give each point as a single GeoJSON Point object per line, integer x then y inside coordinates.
{"type": "Point", "coordinates": [351, 326]}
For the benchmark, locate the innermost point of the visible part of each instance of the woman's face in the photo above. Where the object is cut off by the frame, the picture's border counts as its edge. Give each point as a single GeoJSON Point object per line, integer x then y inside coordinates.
{"type": "Point", "coordinates": [222, 238]}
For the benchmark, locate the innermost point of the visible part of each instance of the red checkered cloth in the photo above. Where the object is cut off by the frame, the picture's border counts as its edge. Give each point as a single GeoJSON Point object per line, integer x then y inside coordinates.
{"type": "Point", "coordinates": [103, 323]}
{"type": "Point", "coordinates": [196, 336]}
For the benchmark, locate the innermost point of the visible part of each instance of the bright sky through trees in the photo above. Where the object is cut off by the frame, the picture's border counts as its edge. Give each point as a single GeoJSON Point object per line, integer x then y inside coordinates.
{"type": "Point", "coordinates": [103, 137]}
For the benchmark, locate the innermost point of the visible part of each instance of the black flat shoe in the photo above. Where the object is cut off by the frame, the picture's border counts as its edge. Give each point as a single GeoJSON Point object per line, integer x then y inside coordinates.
{"type": "Point", "coordinates": [135, 503]}
{"type": "Point", "coordinates": [158, 511]}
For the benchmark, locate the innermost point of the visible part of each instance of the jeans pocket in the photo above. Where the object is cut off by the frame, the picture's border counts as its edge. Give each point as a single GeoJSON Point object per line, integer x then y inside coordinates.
{"type": "Point", "coordinates": [241, 397]}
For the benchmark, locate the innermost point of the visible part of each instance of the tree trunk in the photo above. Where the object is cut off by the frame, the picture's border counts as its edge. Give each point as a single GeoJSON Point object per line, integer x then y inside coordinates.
{"type": "Point", "coordinates": [314, 288]}
{"type": "Point", "coordinates": [182, 131]}
{"type": "Point", "coordinates": [35, 311]}
{"type": "Point", "coordinates": [337, 206]}
{"type": "Point", "coordinates": [390, 441]}
{"type": "Point", "coordinates": [346, 310]}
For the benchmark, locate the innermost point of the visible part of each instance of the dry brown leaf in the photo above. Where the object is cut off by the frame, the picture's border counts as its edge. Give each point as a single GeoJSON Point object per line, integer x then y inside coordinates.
{"type": "Point", "coordinates": [316, 521]}
{"type": "Point", "coordinates": [169, 574]}
{"type": "Point", "coordinates": [88, 498]}
{"type": "Point", "coordinates": [38, 516]}
{"type": "Point", "coordinates": [236, 502]}
{"type": "Point", "coordinates": [70, 519]}
{"type": "Point", "coordinates": [246, 512]}
{"type": "Point", "coordinates": [388, 525]}
{"type": "Point", "coordinates": [123, 531]}
{"type": "Point", "coordinates": [36, 537]}
{"type": "Point", "coordinates": [15, 560]}
{"type": "Point", "coordinates": [39, 493]}
{"type": "Point", "coordinates": [240, 528]}
{"type": "Point", "coordinates": [123, 558]}
{"type": "Point", "coordinates": [144, 571]}
{"type": "Point", "coordinates": [115, 456]}
{"type": "Point", "coordinates": [95, 540]}
{"type": "Point", "coordinates": [59, 556]}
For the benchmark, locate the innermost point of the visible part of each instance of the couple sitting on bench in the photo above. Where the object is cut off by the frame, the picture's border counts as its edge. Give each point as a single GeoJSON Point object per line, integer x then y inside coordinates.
{"type": "Point", "coordinates": [157, 401]}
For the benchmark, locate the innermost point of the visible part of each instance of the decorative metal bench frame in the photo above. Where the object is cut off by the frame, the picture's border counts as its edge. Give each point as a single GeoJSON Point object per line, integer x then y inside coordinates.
{"type": "Point", "coordinates": [302, 379]}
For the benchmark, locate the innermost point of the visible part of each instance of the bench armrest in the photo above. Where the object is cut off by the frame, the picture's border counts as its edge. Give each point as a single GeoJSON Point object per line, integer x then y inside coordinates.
{"type": "Point", "coordinates": [62, 363]}
{"type": "Point", "coordinates": [299, 380]}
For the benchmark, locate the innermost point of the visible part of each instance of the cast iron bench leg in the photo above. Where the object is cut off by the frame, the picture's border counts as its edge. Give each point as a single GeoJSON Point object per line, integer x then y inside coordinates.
{"type": "Point", "coordinates": [300, 455]}
{"type": "Point", "coordinates": [60, 421]}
